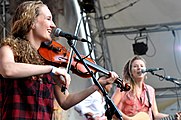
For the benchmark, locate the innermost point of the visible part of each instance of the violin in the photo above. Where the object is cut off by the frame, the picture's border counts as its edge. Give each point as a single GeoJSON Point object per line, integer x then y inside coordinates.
{"type": "Point", "coordinates": [57, 55]}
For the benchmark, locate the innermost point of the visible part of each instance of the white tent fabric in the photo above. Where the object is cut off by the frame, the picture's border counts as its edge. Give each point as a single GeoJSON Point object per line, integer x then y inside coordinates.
{"type": "Point", "coordinates": [143, 12]}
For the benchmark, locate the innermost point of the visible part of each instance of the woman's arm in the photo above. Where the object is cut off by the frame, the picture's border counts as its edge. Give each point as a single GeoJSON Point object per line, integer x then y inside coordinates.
{"type": "Point", "coordinates": [116, 97]}
{"type": "Point", "coordinates": [11, 69]}
{"type": "Point", "coordinates": [67, 100]}
{"type": "Point", "coordinates": [156, 114]}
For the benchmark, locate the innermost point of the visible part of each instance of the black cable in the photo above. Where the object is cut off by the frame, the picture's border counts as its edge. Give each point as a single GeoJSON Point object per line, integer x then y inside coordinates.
{"type": "Point", "coordinates": [107, 16]}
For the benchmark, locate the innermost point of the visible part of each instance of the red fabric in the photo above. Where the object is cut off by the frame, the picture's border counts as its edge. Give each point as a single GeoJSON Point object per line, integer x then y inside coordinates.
{"type": "Point", "coordinates": [26, 99]}
{"type": "Point", "coordinates": [131, 105]}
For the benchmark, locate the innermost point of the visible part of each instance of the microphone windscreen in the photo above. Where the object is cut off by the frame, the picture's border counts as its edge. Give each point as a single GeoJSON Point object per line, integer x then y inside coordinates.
{"type": "Point", "coordinates": [143, 70]}
{"type": "Point", "coordinates": [56, 32]}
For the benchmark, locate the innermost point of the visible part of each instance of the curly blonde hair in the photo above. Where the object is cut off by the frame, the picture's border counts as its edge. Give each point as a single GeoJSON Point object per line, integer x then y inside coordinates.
{"type": "Point", "coordinates": [24, 17]}
{"type": "Point", "coordinates": [22, 21]}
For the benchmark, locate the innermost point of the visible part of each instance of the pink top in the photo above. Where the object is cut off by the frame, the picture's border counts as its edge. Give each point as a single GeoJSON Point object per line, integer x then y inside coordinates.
{"type": "Point", "coordinates": [131, 105]}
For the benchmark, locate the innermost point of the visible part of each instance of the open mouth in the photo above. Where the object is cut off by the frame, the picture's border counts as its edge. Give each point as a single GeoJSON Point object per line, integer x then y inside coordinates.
{"type": "Point", "coordinates": [49, 31]}
{"type": "Point", "coordinates": [139, 72]}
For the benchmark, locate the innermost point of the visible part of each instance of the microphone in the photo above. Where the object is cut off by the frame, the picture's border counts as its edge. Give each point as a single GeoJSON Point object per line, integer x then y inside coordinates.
{"type": "Point", "coordinates": [58, 32]}
{"type": "Point", "coordinates": [170, 78]}
{"type": "Point", "coordinates": [174, 80]}
{"type": "Point", "coordinates": [151, 70]}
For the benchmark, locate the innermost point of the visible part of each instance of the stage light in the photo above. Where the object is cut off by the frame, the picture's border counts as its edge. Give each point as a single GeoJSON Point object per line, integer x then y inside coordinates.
{"type": "Point", "coordinates": [140, 48]}
{"type": "Point", "coordinates": [87, 6]}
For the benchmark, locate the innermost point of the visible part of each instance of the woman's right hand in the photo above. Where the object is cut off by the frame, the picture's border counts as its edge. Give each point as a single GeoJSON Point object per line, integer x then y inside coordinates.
{"type": "Point", "coordinates": [62, 75]}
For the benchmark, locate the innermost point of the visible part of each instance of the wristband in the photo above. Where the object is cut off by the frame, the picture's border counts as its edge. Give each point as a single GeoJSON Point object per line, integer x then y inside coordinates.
{"type": "Point", "coordinates": [53, 71]}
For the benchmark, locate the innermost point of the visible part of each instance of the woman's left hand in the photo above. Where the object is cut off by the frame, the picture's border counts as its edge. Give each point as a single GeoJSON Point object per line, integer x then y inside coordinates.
{"type": "Point", "coordinates": [108, 80]}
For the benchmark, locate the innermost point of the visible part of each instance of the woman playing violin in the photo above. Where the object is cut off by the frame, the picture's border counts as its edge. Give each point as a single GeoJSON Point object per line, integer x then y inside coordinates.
{"type": "Point", "coordinates": [27, 88]}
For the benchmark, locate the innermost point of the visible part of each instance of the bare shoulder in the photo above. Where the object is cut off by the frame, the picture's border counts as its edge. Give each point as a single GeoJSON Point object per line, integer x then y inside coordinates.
{"type": "Point", "coordinates": [5, 48]}
{"type": "Point", "coordinates": [6, 54]}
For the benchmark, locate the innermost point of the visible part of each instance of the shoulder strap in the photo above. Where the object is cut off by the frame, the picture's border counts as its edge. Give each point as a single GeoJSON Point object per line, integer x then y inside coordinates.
{"type": "Point", "coordinates": [147, 93]}
{"type": "Point", "coordinates": [148, 98]}
{"type": "Point", "coordinates": [170, 117]}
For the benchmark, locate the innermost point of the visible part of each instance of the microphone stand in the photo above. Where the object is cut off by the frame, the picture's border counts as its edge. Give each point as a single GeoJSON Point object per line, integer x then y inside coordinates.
{"type": "Point", "coordinates": [174, 80]}
{"type": "Point", "coordinates": [112, 108]}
